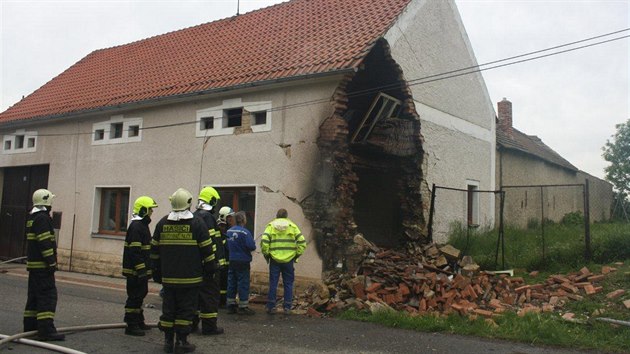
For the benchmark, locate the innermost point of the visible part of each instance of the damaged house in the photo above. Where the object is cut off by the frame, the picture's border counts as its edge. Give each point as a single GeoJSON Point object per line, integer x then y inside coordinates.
{"type": "Point", "coordinates": [316, 106]}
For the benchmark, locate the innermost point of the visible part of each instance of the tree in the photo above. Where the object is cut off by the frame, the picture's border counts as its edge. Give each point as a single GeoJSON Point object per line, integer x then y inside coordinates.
{"type": "Point", "coordinates": [617, 152]}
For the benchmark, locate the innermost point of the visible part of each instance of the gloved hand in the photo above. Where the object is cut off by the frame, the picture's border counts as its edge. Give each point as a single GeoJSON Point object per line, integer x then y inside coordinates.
{"type": "Point", "coordinates": [209, 268]}
{"type": "Point", "coordinates": [157, 276]}
{"type": "Point", "coordinates": [142, 273]}
{"type": "Point", "coordinates": [267, 258]}
{"type": "Point", "coordinates": [295, 260]}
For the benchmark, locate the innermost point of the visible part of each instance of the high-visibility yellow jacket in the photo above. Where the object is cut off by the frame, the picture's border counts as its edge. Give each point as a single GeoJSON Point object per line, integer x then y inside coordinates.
{"type": "Point", "coordinates": [282, 241]}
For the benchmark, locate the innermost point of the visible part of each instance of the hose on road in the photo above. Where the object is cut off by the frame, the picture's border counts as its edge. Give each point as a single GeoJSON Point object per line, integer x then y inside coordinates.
{"type": "Point", "coordinates": [43, 345]}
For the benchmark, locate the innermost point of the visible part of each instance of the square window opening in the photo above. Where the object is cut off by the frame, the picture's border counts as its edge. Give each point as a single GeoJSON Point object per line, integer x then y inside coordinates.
{"type": "Point", "coordinates": [99, 134]}
{"type": "Point", "coordinates": [134, 130]}
{"type": "Point", "coordinates": [19, 141]}
{"type": "Point", "coordinates": [472, 213]}
{"type": "Point", "coordinates": [233, 117]}
{"type": "Point", "coordinates": [206, 123]}
{"type": "Point", "coordinates": [113, 211]}
{"type": "Point", "coordinates": [116, 131]}
{"type": "Point", "coordinates": [260, 118]}
{"type": "Point", "coordinates": [30, 143]}
{"type": "Point", "coordinates": [7, 144]}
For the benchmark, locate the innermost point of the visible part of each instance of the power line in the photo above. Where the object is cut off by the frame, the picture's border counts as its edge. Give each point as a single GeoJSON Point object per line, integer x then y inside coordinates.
{"type": "Point", "coordinates": [413, 82]}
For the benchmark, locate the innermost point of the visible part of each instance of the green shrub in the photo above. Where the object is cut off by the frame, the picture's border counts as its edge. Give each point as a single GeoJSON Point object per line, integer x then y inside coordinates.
{"type": "Point", "coordinates": [573, 218]}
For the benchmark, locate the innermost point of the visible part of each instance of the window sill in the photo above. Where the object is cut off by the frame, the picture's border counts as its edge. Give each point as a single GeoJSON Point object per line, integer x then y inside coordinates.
{"type": "Point", "coordinates": [110, 237]}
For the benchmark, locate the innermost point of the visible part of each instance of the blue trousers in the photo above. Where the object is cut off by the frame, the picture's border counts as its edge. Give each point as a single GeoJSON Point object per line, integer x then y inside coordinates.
{"type": "Point", "coordinates": [288, 275]}
{"type": "Point", "coordinates": [238, 281]}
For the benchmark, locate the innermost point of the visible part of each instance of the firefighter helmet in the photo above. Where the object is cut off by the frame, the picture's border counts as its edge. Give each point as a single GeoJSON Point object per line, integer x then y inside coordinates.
{"type": "Point", "coordinates": [142, 205]}
{"type": "Point", "coordinates": [209, 195]}
{"type": "Point", "coordinates": [224, 212]}
{"type": "Point", "coordinates": [42, 197]}
{"type": "Point", "coordinates": [181, 200]}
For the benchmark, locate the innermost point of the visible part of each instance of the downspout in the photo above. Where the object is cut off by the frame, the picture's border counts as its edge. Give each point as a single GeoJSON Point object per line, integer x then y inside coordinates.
{"type": "Point", "coordinates": [74, 215]}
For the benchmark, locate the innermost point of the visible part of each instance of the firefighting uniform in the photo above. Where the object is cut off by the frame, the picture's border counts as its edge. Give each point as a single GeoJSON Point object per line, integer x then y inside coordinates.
{"type": "Point", "coordinates": [41, 264]}
{"type": "Point", "coordinates": [210, 293]}
{"type": "Point", "coordinates": [223, 273]}
{"type": "Point", "coordinates": [136, 267]}
{"type": "Point", "coordinates": [181, 251]}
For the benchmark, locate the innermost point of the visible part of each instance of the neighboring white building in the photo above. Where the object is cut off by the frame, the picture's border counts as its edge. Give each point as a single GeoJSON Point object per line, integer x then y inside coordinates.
{"type": "Point", "coordinates": [324, 118]}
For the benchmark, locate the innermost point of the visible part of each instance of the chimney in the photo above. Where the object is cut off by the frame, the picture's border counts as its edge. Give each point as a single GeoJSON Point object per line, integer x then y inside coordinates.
{"type": "Point", "coordinates": [504, 110]}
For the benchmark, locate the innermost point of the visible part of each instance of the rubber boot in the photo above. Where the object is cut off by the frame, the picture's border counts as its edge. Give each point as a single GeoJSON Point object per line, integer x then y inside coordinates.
{"type": "Point", "coordinates": [182, 345]}
{"type": "Point", "coordinates": [169, 341]}
{"type": "Point", "coordinates": [210, 327]}
{"type": "Point", "coordinates": [134, 330]}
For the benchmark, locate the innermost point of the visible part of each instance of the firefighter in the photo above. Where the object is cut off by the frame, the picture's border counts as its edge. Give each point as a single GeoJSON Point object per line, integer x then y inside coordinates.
{"type": "Point", "coordinates": [41, 264]}
{"type": "Point", "coordinates": [224, 222]}
{"type": "Point", "coordinates": [209, 294]}
{"type": "Point", "coordinates": [136, 264]}
{"type": "Point", "coordinates": [181, 251]}
{"type": "Point", "coordinates": [282, 244]}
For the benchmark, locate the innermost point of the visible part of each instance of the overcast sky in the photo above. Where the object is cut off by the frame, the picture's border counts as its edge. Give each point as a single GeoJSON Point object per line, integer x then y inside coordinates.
{"type": "Point", "coordinates": [571, 101]}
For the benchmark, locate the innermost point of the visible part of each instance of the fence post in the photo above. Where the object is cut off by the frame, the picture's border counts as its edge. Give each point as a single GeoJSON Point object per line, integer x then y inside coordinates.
{"type": "Point", "coordinates": [501, 237]}
{"type": "Point", "coordinates": [431, 211]}
{"type": "Point", "coordinates": [587, 221]}
{"type": "Point", "coordinates": [542, 222]}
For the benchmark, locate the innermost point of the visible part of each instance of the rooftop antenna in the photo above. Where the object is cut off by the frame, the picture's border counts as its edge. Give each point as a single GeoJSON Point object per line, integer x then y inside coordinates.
{"type": "Point", "coordinates": [238, 5]}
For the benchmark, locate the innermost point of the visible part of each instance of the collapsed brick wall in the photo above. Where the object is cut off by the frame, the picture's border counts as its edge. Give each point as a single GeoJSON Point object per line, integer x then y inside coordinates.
{"type": "Point", "coordinates": [394, 142]}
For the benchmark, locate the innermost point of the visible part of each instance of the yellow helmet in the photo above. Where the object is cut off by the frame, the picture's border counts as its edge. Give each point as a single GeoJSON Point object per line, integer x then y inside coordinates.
{"type": "Point", "coordinates": [142, 205]}
{"type": "Point", "coordinates": [181, 200]}
{"type": "Point", "coordinates": [42, 197]}
{"type": "Point", "coordinates": [209, 195]}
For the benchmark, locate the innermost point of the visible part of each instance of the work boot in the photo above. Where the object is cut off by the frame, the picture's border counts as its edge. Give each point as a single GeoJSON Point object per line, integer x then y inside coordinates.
{"type": "Point", "coordinates": [231, 309]}
{"type": "Point", "coordinates": [143, 326]}
{"type": "Point", "coordinates": [169, 342]}
{"type": "Point", "coordinates": [212, 330]}
{"type": "Point", "coordinates": [270, 310]}
{"type": "Point", "coordinates": [194, 327]}
{"type": "Point", "coordinates": [51, 336]}
{"type": "Point", "coordinates": [246, 311]}
{"type": "Point", "coordinates": [183, 346]}
{"type": "Point", "coordinates": [134, 330]}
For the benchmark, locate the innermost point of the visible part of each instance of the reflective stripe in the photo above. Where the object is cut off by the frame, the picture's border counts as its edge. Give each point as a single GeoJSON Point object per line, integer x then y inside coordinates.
{"type": "Point", "coordinates": [140, 266]}
{"type": "Point", "coordinates": [182, 280]}
{"type": "Point", "coordinates": [205, 243]}
{"type": "Point", "coordinates": [155, 243]}
{"type": "Point", "coordinates": [210, 258]}
{"type": "Point", "coordinates": [183, 323]}
{"type": "Point", "coordinates": [223, 292]}
{"type": "Point", "coordinates": [223, 262]}
{"type": "Point", "coordinates": [207, 315]}
{"type": "Point", "coordinates": [146, 247]}
{"type": "Point", "coordinates": [45, 315]}
{"type": "Point", "coordinates": [47, 253]}
{"type": "Point", "coordinates": [154, 256]}
{"type": "Point", "coordinates": [133, 244]}
{"type": "Point", "coordinates": [36, 265]}
{"type": "Point", "coordinates": [166, 324]}
{"type": "Point", "coordinates": [132, 310]}
{"type": "Point", "coordinates": [214, 247]}
{"type": "Point", "coordinates": [31, 237]}
{"type": "Point", "coordinates": [30, 313]}
{"type": "Point", "coordinates": [128, 271]}
{"type": "Point", "coordinates": [276, 240]}
{"type": "Point", "coordinates": [281, 248]}
{"type": "Point", "coordinates": [178, 243]}
{"type": "Point", "coordinates": [29, 223]}
{"type": "Point", "coordinates": [45, 235]}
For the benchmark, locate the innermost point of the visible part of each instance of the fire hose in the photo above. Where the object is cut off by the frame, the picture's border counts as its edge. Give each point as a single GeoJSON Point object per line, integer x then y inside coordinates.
{"type": "Point", "coordinates": [19, 337]}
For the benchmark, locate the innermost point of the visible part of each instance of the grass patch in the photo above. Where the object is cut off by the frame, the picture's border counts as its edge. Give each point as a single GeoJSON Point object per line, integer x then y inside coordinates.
{"type": "Point", "coordinates": [535, 329]}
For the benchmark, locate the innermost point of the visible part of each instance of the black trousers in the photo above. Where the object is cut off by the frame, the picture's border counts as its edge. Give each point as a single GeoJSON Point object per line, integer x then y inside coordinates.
{"type": "Point", "coordinates": [41, 303]}
{"type": "Point", "coordinates": [223, 280]}
{"type": "Point", "coordinates": [137, 290]}
{"type": "Point", "coordinates": [178, 309]}
{"type": "Point", "coordinates": [209, 295]}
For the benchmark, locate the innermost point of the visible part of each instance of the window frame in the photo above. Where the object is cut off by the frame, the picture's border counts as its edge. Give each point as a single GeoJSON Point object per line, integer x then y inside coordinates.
{"type": "Point", "coordinates": [99, 211]}
{"type": "Point", "coordinates": [234, 203]}
{"type": "Point", "coordinates": [19, 142]}
{"type": "Point", "coordinates": [117, 130]}
{"type": "Point", "coordinates": [220, 119]}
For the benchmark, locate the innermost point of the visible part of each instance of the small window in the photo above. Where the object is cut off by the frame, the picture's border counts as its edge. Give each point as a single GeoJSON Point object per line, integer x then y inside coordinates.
{"type": "Point", "coordinates": [233, 116]}
{"type": "Point", "coordinates": [473, 205]}
{"type": "Point", "coordinates": [19, 141]}
{"type": "Point", "coordinates": [114, 209]}
{"type": "Point", "coordinates": [206, 123]}
{"type": "Point", "coordinates": [383, 107]}
{"type": "Point", "coordinates": [7, 145]}
{"type": "Point", "coordinates": [134, 130]}
{"type": "Point", "coordinates": [99, 134]}
{"type": "Point", "coordinates": [116, 131]}
{"type": "Point", "coordinates": [240, 199]}
{"type": "Point", "coordinates": [30, 143]}
{"type": "Point", "coordinates": [260, 118]}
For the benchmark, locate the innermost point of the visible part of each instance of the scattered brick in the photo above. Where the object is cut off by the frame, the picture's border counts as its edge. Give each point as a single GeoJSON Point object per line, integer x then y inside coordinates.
{"type": "Point", "coordinates": [615, 294]}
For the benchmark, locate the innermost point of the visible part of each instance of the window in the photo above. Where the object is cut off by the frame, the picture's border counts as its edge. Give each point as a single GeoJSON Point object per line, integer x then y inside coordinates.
{"type": "Point", "coordinates": [383, 106]}
{"type": "Point", "coordinates": [472, 209]}
{"type": "Point", "coordinates": [206, 123]}
{"type": "Point", "coordinates": [114, 210]}
{"type": "Point", "coordinates": [260, 117]}
{"type": "Point", "coordinates": [240, 199]}
{"type": "Point", "coordinates": [134, 130]}
{"type": "Point", "coordinates": [116, 131]}
{"type": "Point", "coordinates": [19, 141]}
{"type": "Point", "coordinates": [233, 117]}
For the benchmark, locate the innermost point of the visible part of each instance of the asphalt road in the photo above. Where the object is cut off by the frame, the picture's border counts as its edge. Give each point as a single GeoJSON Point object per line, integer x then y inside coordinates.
{"type": "Point", "coordinates": [83, 305]}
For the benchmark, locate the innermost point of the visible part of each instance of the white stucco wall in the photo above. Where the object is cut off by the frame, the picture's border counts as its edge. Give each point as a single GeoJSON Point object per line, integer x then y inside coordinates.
{"type": "Point", "coordinates": [168, 158]}
{"type": "Point", "coordinates": [457, 115]}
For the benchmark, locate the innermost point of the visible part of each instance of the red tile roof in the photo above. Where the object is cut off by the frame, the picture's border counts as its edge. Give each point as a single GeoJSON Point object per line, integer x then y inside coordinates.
{"type": "Point", "coordinates": [292, 39]}
{"type": "Point", "coordinates": [532, 145]}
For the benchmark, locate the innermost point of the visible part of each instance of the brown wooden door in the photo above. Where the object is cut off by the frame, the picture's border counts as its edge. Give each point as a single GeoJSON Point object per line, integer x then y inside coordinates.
{"type": "Point", "coordinates": [18, 187]}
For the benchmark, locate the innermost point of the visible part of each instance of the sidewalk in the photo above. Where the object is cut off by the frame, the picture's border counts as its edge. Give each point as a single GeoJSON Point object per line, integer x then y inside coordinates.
{"type": "Point", "coordinates": [99, 281]}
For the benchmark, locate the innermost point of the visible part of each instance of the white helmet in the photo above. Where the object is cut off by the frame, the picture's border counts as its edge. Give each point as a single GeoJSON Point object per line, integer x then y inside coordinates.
{"type": "Point", "coordinates": [42, 197]}
{"type": "Point", "coordinates": [224, 212]}
{"type": "Point", "coordinates": [181, 200]}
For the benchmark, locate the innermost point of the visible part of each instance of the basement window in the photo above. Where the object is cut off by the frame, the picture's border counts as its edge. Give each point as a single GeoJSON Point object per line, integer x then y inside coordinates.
{"type": "Point", "coordinates": [384, 106]}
